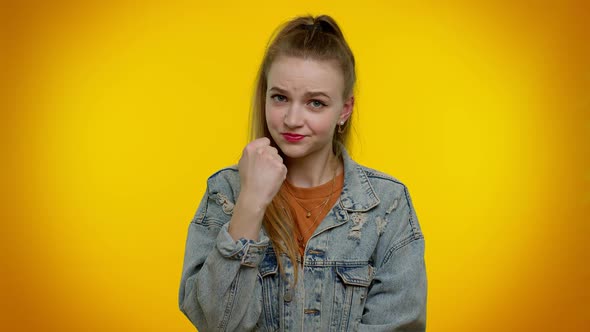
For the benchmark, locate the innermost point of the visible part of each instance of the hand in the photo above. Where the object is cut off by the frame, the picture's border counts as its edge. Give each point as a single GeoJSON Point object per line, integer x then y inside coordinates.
{"type": "Point", "coordinates": [262, 172]}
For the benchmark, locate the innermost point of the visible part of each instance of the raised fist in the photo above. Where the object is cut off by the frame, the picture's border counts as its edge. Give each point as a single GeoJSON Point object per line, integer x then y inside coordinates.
{"type": "Point", "coordinates": [262, 171]}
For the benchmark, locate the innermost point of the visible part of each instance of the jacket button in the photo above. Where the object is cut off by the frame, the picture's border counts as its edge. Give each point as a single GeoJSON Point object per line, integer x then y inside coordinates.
{"type": "Point", "coordinates": [288, 296]}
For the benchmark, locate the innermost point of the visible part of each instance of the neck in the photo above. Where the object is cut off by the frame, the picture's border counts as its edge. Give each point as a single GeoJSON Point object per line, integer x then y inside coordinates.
{"type": "Point", "coordinates": [313, 170]}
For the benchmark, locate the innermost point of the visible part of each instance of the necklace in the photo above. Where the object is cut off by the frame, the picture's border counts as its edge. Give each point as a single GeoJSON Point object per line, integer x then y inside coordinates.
{"type": "Point", "coordinates": [308, 214]}
{"type": "Point", "coordinates": [323, 205]}
{"type": "Point", "coordinates": [300, 235]}
{"type": "Point", "coordinates": [308, 211]}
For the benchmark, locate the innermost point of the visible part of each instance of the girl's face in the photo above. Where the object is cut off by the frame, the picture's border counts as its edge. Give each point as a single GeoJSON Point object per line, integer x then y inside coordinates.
{"type": "Point", "coordinates": [304, 104]}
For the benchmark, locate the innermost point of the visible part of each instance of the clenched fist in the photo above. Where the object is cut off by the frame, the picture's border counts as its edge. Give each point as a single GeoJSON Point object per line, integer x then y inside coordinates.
{"type": "Point", "coordinates": [262, 171]}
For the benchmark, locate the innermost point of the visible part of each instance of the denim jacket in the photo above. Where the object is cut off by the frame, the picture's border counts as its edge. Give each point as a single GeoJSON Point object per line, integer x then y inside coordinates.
{"type": "Point", "coordinates": [363, 268]}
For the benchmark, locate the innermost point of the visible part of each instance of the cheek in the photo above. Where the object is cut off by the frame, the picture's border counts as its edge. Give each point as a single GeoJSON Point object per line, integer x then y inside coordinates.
{"type": "Point", "coordinates": [322, 125]}
{"type": "Point", "coordinates": [273, 117]}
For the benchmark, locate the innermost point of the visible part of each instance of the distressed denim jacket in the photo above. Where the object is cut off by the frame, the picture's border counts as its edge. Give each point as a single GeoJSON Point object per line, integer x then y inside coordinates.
{"type": "Point", "coordinates": [363, 268]}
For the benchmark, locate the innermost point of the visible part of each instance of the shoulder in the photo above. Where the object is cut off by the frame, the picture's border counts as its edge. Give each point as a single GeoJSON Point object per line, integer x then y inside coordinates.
{"type": "Point", "coordinates": [381, 181]}
{"type": "Point", "coordinates": [227, 173]}
{"type": "Point", "coordinates": [377, 175]}
{"type": "Point", "coordinates": [390, 191]}
{"type": "Point", "coordinates": [397, 221]}
{"type": "Point", "coordinates": [225, 182]}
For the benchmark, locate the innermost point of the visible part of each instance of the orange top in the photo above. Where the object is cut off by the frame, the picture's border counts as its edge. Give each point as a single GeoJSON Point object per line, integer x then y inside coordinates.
{"type": "Point", "coordinates": [311, 205]}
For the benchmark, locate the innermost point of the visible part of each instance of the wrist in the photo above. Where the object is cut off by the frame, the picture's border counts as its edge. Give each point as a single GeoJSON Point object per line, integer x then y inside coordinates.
{"type": "Point", "coordinates": [247, 219]}
{"type": "Point", "coordinates": [252, 203]}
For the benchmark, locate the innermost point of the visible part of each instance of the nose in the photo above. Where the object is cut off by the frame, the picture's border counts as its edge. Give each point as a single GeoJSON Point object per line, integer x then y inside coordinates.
{"type": "Point", "coordinates": [293, 116]}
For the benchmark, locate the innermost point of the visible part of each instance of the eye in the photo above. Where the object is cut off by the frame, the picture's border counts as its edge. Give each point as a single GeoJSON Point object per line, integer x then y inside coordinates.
{"type": "Point", "coordinates": [279, 98]}
{"type": "Point", "coordinates": [317, 103]}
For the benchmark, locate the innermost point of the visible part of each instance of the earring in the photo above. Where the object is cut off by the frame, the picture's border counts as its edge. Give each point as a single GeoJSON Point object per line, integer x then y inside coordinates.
{"type": "Point", "coordinates": [340, 130]}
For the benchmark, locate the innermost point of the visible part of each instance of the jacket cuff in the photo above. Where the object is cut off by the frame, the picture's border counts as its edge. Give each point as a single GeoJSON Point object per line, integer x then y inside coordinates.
{"type": "Point", "coordinates": [249, 252]}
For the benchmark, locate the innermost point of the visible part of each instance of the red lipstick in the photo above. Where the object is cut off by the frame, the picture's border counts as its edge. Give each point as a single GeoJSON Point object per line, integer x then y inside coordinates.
{"type": "Point", "coordinates": [290, 137]}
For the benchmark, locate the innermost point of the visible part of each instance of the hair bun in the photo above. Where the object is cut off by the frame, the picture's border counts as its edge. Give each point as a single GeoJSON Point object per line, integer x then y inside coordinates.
{"type": "Point", "coordinates": [320, 25]}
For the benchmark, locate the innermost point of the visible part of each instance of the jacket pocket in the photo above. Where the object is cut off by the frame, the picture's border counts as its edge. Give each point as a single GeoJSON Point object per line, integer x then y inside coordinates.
{"type": "Point", "coordinates": [350, 293]}
{"type": "Point", "coordinates": [269, 278]}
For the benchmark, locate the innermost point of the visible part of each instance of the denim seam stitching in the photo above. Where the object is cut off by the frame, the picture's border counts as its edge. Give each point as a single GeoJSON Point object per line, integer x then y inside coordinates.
{"type": "Point", "coordinates": [398, 246]}
{"type": "Point", "coordinates": [415, 231]}
{"type": "Point", "coordinates": [211, 222]}
{"type": "Point", "coordinates": [386, 178]}
{"type": "Point", "coordinates": [348, 263]}
{"type": "Point", "coordinates": [230, 302]}
{"type": "Point", "coordinates": [201, 218]}
{"type": "Point", "coordinates": [374, 194]}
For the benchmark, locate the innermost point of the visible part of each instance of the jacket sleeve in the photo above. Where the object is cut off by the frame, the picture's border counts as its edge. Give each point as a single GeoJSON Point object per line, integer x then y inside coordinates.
{"type": "Point", "coordinates": [396, 300]}
{"type": "Point", "coordinates": [219, 290]}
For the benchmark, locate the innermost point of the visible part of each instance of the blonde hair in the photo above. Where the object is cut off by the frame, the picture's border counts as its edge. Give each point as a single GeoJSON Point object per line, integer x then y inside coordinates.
{"type": "Point", "coordinates": [317, 38]}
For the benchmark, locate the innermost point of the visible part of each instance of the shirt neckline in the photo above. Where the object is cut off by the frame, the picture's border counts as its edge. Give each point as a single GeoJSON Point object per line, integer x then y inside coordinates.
{"type": "Point", "coordinates": [320, 191]}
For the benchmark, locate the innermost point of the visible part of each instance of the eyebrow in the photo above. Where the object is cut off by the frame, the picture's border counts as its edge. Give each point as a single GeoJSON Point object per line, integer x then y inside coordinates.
{"type": "Point", "coordinates": [307, 94]}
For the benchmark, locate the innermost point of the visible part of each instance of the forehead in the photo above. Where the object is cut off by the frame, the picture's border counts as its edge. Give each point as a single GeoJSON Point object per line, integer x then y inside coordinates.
{"type": "Point", "coordinates": [298, 75]}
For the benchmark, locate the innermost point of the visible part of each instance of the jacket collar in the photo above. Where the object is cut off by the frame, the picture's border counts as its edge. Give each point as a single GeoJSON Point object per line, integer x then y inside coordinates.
{"type": "Point", "coordinates": [357, 193]}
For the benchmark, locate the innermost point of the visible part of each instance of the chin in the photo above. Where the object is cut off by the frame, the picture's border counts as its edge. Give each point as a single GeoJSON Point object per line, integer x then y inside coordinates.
{"type": "Point", "coordinates": [293, 151]}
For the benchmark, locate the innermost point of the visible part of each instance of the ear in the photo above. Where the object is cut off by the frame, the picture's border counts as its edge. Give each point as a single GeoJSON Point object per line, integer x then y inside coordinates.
{"type": "Point", "coordinates": [346, 109]}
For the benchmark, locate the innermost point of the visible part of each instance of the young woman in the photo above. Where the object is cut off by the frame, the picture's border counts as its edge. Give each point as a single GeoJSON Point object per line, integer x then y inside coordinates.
{"type": "Point", "coordinates": [298, 236]}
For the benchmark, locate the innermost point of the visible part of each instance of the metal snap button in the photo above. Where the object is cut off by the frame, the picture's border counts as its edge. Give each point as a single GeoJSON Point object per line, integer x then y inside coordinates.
{"type": "Point", "coordinates": [288, 296]}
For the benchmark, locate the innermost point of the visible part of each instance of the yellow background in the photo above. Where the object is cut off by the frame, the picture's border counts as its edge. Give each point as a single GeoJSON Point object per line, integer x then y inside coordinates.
{"type": "Point", "coordinates": [116, 112]}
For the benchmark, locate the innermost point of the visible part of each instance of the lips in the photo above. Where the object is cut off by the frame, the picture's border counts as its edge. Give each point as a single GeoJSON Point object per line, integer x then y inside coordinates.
{"type": "Point", "coordinates": [290, 137]}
